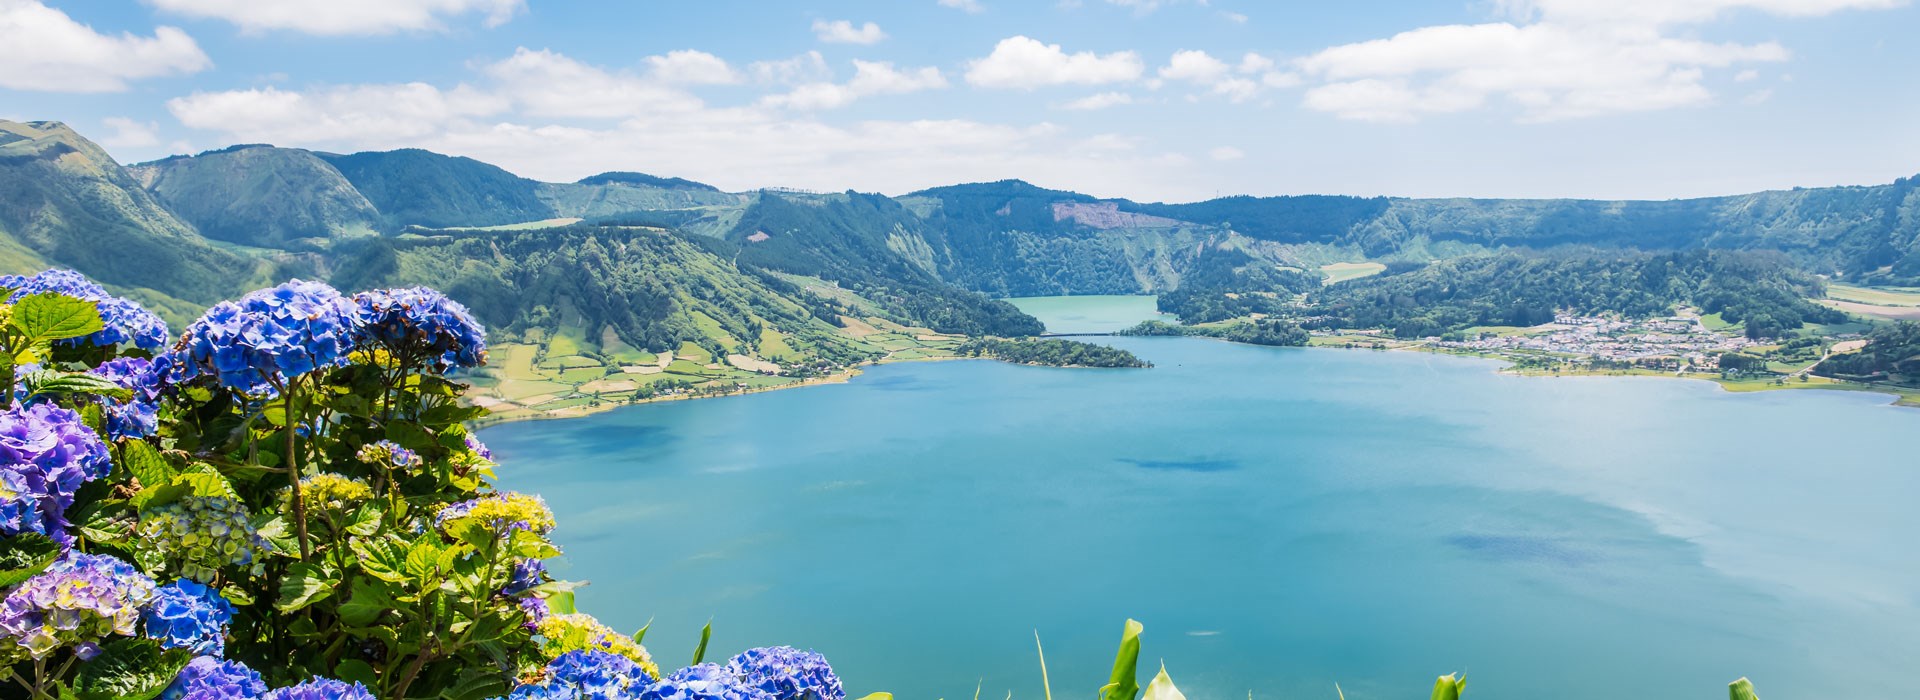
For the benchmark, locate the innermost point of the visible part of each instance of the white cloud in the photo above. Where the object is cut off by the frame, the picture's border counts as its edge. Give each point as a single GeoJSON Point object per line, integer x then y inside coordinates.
{"type": "Point", "coordinates": [1565, 59]}
{"type": "Point", "coordinates": [971, 7]}
{"type": "Point", "coordinates": [869, 78]}
{"type": "Point", "coordinates": [1200, 68]}
{"type": "Point", "coordinates": [1757, 96]}
{"type": "Point", "coordinates": [1746, 76]}
{"type": "Point", "coordinates": [1099, 101]}
{"type": "Point", "coordinates": [548, 84]}
{"type": "Point", "coordinates": [343, 17]}
{"type": "Point", "coordinates": [689, 67]}
{"type": "Point", "coordinates": [1022, 62]}
{"type": "Point", "coordinates": [1233, 17]}
{"type": "Point", "coordinates": [809, 67]}
{"type": "Point", "coordinates": [1143, 7]}
{"type": "Point", "coordinates": [1194, 66]}
{"type": "Point", "coordinates": [42, 48]}
{"type": "Point", "coordinates": [493, 118]}
{"type": "Point", "coordinates": [841, 31]}
{"type": "Point", "coordinates": [128, 133]}
{"type": "Point", "coordinates": [1225, 153]}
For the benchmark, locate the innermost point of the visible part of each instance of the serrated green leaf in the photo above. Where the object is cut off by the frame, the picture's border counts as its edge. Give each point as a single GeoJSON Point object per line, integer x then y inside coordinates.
{"type": "Point", "coordinates": [368, 599]}
{"type": "Point", "coordinates": [128, 669]}
{"type": "Point", "coordinates": [160, 495]}
{"type": "Point", "coordinates": [48, 316]}
{"type": "Point", "coordinates": [49, 383]}
{"type": "Point", "coordinates": [475, 685]}
{"type": "Point", "coordinates": [357, 671]}
{"type": "Point", "coordinates": [304, 585]}
{"type": "Point", "coordinates": [145, 463]}
{"type": "Point", "coordinates": [382, 559]}
{"type": "Point", "coordinates": [24, 556]}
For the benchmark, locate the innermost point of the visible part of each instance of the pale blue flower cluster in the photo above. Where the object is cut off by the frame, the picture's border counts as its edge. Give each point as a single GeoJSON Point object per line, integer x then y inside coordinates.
{"type": "Point", "coordinates": [48, 452]}
{"type": "Point", "coordinates": [271, 336]}
{"type": "Point", "coordinates": [586, 675]}
{"type": "Point", "coordinates": [124, 320]}
{"type": "Point", "coordinates": [209, 678]}
{"type": "Point", "coordinates": [418, 322]}
{"type": "Point", "coordinates": [786, 673]}
{"type": "Point", "coordinates": [703, 682]}
{"type": "Point", "coordinates": [78, 601]}
{"type": "Point", "coordinates": [139, 416]}
{"type": "Point", "coordinates": [187, 615]}
{"type": "Point", "coordinates": [320, 689]}
{"type": "Point", "coordinates": [389, 453]}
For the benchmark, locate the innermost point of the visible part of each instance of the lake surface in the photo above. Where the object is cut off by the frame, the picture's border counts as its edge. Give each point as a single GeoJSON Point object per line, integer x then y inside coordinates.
{"type": "Point", "coordinates": [1280, 519]}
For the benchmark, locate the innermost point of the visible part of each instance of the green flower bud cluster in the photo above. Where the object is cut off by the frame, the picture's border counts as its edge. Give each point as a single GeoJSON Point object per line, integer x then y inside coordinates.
{"type": "Point", "coordinates": [199, 535]}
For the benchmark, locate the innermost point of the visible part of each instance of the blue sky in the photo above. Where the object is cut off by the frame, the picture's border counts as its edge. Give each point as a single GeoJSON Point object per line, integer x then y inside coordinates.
{"type": "Point", "coordinates": [1150, 99]}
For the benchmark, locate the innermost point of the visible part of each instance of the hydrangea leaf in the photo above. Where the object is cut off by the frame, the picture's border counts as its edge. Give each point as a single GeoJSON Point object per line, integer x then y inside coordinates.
{"type": "Point", "coordinates": [51, 383]}
{"type": "Point", "coordinates": [25, 555]}
{"type": "Point", "coordinates": [475, 684]}
{"type": "Point", "coordinates": [145, 463]}
{"type": "Point", "coordinates": [357, 671]}
{"type": "Point", "coordinates": [48, 316]}
{"type": "Point", "coordinates": [129, 669]}
{"type": "Point", "coordinates": [1741, 690]}
{"type": "Point", "coordinates": [383, 559]}
{"type": "Point", "coordinates": [368, 600]}
{"type": "Point", "coordinates": [1448, 687]}
{"type": "Point", "coordinates": [304, 585]}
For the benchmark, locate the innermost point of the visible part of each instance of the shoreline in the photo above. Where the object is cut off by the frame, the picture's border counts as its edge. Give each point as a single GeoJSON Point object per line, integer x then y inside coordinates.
{"type": "Point", "coordinates": [1904, 398]}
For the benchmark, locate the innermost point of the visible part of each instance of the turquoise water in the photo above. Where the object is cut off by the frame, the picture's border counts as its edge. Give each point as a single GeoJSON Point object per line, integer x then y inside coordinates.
{"type": "Point", "coordinates": [1280, 520]}
{"type": "Point", "coordinates": [1091, 314]}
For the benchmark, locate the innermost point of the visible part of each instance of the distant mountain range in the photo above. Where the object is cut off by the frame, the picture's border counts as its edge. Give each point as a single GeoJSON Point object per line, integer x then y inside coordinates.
{"type": "Point", "coordinates": [187, 230]}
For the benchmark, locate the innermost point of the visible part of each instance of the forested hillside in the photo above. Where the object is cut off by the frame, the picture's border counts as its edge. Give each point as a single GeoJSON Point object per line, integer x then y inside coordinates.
{"type": "Point", "coordinates": [1762, 290]}
{"type": "Point", "coordinates": [261, 196]}
{"type": "Point", "coordinates": [412, 187]}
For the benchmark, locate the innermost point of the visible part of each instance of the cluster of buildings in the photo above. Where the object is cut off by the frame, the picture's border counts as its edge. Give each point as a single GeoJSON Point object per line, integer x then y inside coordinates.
{"type": "Point", "coordinates": [1669, 343]}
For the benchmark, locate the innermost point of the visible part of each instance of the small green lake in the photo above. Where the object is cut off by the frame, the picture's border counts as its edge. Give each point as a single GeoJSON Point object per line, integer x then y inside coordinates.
{"type": "Point", "coordinates": [1280, 519]}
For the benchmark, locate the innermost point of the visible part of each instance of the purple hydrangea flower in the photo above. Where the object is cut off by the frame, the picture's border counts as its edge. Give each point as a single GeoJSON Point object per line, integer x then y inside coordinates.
{"type": "Point", "coordinates": [423, 324]}
{"type": "Point", "coordinates": [703, 682]}
{"type": "Point", "coordinates": [48, 452]}
{"type": "Point", "coordinates": [124, 320]}
{"type": "Point", "coordinates": [270, 336]}
{"type": "Point", "coordinates": [786, 673]}
{"type": "Point", "coordinates": [79, 600]}
{"type": "Point", "coordinates": [137, 417]}
{"type": "Point", "coordinates": [536, 610]}
{"type": "Point", "coordinates": [186, 614]}
{"type": "Point", "coordinates": [526, 574]}
{"type": "Point", "coordinates": [479, 448]}
{"type": "Point", "coordinates": [586, 675]}
{"type": "Point", "coordinates": [321, 689]}
{"type": "Point", "coordinates": [389, 453]}
{"type": "Point", "coordinates": [209, 678]}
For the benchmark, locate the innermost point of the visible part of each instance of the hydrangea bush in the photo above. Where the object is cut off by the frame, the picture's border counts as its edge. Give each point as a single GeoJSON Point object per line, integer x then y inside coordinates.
{"type": "Point", "coordinates": [285, 504]}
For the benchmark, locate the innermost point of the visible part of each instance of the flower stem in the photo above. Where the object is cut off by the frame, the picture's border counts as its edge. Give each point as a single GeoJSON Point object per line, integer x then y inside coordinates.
{"type": "Point", "coordinates": [293, 469]}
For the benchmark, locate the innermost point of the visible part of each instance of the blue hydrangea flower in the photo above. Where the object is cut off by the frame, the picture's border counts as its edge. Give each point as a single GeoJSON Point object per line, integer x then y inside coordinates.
{"type": "Point", "coordinates": [124, 320]}
{"type": "Point", "coordinates": [536, 610]}
{"type": "Point", "coordinates": [320, 689]}
{"type": "Point", "coordinates": [48, 452]}
{"type": "Point", "coordinates": [187, 615]}
{"type": "Point", "coordinates": [208, 678]}
{"type": "Point", "coordinates": [703, 682]}
{"type": "Point", "coordinates": [270, 336]}
{"type": "Point", "coordinates": [526, 574]}
{"type": "Point", "coordinates": [478, 448]}
{"type": "Point", "coordinates": [137, 417]}
{"type": "Point", "coordinates": [586, 675]}
{"type": "Point", "coordinates": [79, 600]}
{"type": "Point", "coordinates": [786, 673]}
{"type": "Point", "coordinates": [421, 324]}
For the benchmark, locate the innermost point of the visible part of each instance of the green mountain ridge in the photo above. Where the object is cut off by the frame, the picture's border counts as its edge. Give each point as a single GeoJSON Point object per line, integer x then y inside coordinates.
{"type": "Point", "coordinates": [260, 195]}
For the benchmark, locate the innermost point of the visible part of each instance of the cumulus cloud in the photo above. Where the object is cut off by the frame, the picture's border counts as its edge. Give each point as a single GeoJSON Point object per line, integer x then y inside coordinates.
{"type": "Point", "coordinates": [842, 31]}
{"type": "Point", "coordinates": [1023, 62]}
{"type": "Point", "coordinates": [343, 17]}
{"type": "Point", "coordinates": [869, 78]}
{"type": "Point", "coordinates": [689, 67]}
{"type": "Point", "coordinates": [809, 67]}
{"type": "Point", "coordinates": [128, 133]}
{"type": "Point", "coordinates": [1226, 153]}
{"type": "Point", "coordinates": [971, 7]}
{"type": "Point", "coordinates": [43, 49]}
{"type": "Point", "coordinates": [1237, 83]}
{"type": "Point", "coordinates": [1564, 59]}
{"type": "Point", "coordinates": [1099, 101]}
{"type": "Point", "coordinates": [510, 115]}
